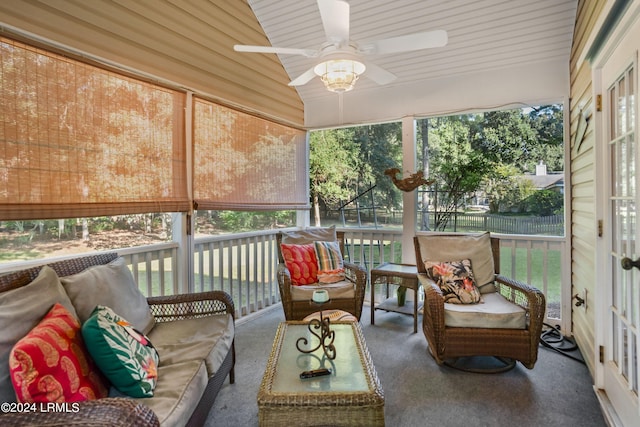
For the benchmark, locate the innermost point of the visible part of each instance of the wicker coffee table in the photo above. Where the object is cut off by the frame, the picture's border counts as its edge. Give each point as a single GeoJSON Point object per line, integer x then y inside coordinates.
{"type": "Point", "coordinates": [350, 396]}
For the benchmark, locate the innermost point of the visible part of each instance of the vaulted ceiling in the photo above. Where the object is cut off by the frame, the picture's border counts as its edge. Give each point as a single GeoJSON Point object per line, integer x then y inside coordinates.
{"type": "Point", "coordinates": [499, 53]}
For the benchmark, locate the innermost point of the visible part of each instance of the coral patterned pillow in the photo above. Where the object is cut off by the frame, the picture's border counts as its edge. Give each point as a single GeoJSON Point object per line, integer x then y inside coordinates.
{"type": "Point", "coordinates": [301, 262]}
{"type": "Point", "coordinates": [456, 281]}
{"type": "Point", "coordinates": [51, 363]}
{"type": "Point", "coordinates": [124, 355]}
{"type": "Point", "coordinates": [330, 262]}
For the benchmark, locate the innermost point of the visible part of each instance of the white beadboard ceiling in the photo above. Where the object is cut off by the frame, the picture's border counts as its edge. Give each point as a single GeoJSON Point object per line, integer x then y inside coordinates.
{"type": "Point", "coordinates": [500, 52]}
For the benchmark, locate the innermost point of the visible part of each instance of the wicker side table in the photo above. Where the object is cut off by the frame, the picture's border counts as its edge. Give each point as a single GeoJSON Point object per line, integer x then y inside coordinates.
{"type": "Point", "coordinates": [405, 275]}
{"type": "Point", "coordinates": [350, 396]}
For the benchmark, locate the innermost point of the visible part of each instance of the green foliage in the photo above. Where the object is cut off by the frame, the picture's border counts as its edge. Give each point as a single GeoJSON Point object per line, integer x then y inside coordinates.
{"type": "Point", "coordinates": [380, 149]}
{"type": "Point", "coordinates": [507, 190]}
{"type": "Point", "coordinates": [457, 168]}
{"type": "Point", "coordinates": [506, 137]}
{"type": "Point", "coordinates": [466, 154]}
{"type": "Point", "coordinates": [235, 221]}
{"type": "Point", "coordinates": [333, 165]}
{"type": "Point", "coordinates": [545, 202]}
{"type": "Point", "coordinates": [345, 162]}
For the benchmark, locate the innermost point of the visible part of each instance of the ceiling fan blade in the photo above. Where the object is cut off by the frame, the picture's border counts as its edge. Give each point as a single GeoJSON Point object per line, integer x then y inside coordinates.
{"type": "Point", "coordinates": [310, 53]}
{"type": "Point", "coordinates": [408, 43]}
{"type": "Point", "coordinates": [304, 78]}
{"type": "Point", "coordinates": [378, 74]}
{"type": "Point", "coordinates": [335, 20]}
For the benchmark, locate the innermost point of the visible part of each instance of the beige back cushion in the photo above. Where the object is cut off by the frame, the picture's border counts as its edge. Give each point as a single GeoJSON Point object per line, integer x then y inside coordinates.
{"type": "Point", "coordinates": [111, 285]}
{"type": "Point", "coordinates": [309, 235]}
{"type": "Point", "coordinates": [22, 309]}
{"type": "Point", "coordinates": [476, 247]}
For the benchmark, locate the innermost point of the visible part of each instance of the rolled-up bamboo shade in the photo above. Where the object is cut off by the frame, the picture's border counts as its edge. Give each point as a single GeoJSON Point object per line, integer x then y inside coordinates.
{"type": "Point", "coordinates": [242, 162]}
{"type": "Point", "coordinates": [80, 141]}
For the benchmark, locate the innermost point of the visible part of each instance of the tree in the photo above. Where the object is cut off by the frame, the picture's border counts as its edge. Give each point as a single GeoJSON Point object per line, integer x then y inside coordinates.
{"type": "Point", "coordinates": [333, 167]}
{"type": "Point", "coordinates": [547, 122]}
{"type": "Point", "coordinates": [507, 190]}
{"type": "Point", "coordinates": [506, 137]}
{"type": "Point", "coordinates": [380, 148]}
{"type": "Point", "coordinates": [345, 162]}
{"type": "Point", "coordinates": [423, 132]}
{"type": "Point", "coordinates": [458, 169]}
{"type": "Point", "coordinates": [545, 202]}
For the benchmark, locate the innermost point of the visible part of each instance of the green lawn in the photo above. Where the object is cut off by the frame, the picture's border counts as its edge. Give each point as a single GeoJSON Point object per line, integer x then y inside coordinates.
{"type": "Point", "coordinates": [554, 270]}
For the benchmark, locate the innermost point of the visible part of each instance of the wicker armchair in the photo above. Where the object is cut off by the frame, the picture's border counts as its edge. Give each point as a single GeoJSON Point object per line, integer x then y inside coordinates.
{"type": "Point", "coordinates": [298, 310]}
{"type": "Point", "coordinates": [126, 411]}
{"type": "Point", "coordinates": [446, 343]}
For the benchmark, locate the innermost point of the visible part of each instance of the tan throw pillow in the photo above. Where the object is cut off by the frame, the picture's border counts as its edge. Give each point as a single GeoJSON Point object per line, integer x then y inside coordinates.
{"type": "Point", "coordinates": [111, 285]}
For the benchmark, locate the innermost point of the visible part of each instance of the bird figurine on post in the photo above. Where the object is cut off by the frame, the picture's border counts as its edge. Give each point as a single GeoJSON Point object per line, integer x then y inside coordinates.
{"type": "Point", "coordinates": [409, 183]}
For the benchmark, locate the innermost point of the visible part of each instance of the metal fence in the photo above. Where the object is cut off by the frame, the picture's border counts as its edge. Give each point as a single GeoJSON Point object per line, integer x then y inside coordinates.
{"type": "Point", "coordinates": [536, 225]}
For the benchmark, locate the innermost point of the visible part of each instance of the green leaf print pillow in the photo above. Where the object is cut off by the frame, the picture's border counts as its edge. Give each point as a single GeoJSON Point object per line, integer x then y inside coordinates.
{"type": "Point", "coordinates": [124, 355]}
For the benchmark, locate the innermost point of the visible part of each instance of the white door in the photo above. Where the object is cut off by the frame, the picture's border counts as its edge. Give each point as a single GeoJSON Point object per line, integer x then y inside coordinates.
{"type": "Point", "coordinates": [621, 362]}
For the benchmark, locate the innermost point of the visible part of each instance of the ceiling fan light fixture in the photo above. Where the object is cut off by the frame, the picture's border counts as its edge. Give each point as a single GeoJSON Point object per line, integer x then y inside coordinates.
{"type": "Point", "coordinates": [339, 75]}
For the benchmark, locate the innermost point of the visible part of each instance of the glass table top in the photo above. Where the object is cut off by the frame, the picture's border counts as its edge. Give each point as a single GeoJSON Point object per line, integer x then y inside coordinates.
{"type": "Point", "coordinates": [347, 369]}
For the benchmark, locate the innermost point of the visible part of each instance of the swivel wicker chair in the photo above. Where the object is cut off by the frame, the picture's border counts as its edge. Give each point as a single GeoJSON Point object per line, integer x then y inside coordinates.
{"type": "Point", "coordinates": [347, 295]}
{"type": "Point", "coordinates": [509, 331]}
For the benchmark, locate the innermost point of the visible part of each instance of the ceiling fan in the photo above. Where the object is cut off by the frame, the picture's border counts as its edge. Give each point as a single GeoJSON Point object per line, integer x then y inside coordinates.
{"type": "Point", "coordinates": [340, 60]}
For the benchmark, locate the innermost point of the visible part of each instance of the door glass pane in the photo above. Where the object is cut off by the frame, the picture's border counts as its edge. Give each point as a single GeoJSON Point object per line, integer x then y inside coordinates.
{"type": "Point", "coordinates": [621, 106]}
{"type": "Point", "coordinates": [612, 115]}
{"type": "Point", "coordinates": [615, 353]}
{"type": "Point", "coordinates": [634, 363]}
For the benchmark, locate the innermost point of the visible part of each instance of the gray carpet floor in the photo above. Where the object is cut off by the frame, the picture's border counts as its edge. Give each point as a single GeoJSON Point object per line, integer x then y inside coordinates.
{"type": "Point", "coordinates": [418, 392]}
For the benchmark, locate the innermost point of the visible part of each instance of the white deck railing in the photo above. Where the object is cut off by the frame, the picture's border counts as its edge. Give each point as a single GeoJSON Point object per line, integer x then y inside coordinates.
{"type": "Point", "coordinates": [244, 265]}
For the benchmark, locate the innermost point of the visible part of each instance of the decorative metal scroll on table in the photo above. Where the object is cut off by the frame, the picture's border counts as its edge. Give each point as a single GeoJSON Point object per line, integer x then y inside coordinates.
{"type": "Point", "coordinates": [325, 337]}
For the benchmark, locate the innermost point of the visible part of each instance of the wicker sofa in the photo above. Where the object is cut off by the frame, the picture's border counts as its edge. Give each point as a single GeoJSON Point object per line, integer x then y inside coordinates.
{"type": "Point", "coordinates": [193, 334]}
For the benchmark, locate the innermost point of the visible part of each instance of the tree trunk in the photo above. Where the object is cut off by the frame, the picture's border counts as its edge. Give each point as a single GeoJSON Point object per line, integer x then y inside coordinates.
{"type": "Point", "coordinates": [316, 210]}
{"type": "Point", "coordinates": [424, 127]}
{"type": "Point", "coordinates": [85, 229]}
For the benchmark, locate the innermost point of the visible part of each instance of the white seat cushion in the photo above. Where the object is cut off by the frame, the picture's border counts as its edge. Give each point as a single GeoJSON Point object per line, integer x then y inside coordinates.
{"type": "Point", "coordinates": [496, 313]}
{"type": "Point", "coordinates": [204, 338]}
{"type": "Point", "coordinates": [178, 391]}
{"type": "Point", "coordinates": [342, 289]}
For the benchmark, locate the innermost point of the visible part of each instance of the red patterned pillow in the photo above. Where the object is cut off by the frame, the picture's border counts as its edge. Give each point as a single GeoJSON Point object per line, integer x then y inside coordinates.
{"type": "Point", "coordinates": [301, 262]}
{"type": "Point", "coordinates": [51, 363]}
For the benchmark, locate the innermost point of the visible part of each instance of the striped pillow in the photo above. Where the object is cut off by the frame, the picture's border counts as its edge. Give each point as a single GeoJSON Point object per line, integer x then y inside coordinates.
{"type": "Point", "coordinates": [330, 263]}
